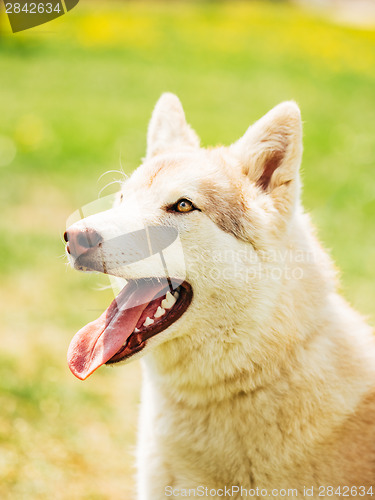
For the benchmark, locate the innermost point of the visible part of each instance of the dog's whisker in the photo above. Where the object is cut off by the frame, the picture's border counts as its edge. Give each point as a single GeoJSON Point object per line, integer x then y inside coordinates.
{"type": "Point", "coordinates": [115, 181]}
{"type": "Point", "coordinates": [114, 171]}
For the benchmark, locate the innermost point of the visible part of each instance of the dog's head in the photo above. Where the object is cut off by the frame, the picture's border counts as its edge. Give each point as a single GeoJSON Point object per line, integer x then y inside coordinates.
{"type": "Point", "coordinates": [192, 232]}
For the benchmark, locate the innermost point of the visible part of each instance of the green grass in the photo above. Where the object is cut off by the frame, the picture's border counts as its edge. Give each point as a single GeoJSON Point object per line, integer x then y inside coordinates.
{"type": "Point", "coordinates": [76, 95]}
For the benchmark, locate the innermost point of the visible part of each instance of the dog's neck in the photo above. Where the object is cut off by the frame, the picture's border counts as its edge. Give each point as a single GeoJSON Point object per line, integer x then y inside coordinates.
{"type": "Point", "coordinates": [301, 389]}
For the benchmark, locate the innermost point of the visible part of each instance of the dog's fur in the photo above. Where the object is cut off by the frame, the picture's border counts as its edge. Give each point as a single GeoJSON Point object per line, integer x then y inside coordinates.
{"type": "Point", "coordinates": [268, 379]}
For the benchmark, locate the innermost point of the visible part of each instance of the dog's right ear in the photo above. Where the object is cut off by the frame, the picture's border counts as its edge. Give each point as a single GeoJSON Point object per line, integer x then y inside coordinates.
{"type": "Point", "coordinates": [270, 154]}
{"type": "Point", "coordinates": [168, 129]}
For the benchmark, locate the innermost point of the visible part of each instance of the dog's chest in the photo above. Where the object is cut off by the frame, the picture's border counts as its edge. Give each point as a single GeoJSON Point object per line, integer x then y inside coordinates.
{"type": "Point", "coordinates": [201, 444]}
{"type": "Point", "coordinates": [218, 444]}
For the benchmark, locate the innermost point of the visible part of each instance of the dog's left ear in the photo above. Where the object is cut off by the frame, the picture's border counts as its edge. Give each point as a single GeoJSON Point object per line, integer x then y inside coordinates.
{"type": "Point", "coordinates": [270, 153]}
{"type": "Point", "coordinates": [168, 128]}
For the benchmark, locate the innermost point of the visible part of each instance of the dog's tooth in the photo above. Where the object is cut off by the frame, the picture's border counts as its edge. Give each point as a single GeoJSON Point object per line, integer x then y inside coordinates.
{"type": "Point", "coordinates": [136, 330]}
{"type": "Point", "coordinates": [169, 301]}
{"type": "Point", "coordinates": [170, 298]}
{"type": "Point", "coordinates": [176, 295]}
{"type": "Point", "coordinates": [148, 321]}
{"type": "Point", "coordinates": [159, 312]}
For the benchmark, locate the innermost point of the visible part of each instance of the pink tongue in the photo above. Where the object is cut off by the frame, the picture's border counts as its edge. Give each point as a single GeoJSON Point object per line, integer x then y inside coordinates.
{"type": "Point", "coordinates": [101, 339]}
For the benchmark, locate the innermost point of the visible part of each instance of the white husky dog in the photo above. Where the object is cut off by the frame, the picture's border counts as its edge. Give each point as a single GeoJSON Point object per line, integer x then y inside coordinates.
{"type": "Point", "coordinates": [258, 378]}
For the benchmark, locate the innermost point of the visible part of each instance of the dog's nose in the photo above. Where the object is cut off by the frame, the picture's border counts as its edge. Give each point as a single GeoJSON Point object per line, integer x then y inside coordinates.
{"type": "Point", "coordinates": [80, 241]}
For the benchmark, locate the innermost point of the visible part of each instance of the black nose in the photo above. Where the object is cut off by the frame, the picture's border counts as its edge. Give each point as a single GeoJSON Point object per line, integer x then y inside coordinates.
{"type": "Point", "coordinates": [80, 241]}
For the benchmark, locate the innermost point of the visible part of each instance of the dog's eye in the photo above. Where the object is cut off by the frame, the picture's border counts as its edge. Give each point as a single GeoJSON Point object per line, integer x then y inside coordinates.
{"type": "Point", "coordinates": [121, 197]}
{"type": "Point", "coordinates": [183, 206]}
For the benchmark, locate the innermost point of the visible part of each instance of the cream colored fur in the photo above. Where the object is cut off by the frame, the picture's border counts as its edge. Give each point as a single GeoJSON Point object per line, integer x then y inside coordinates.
{"type": "Point", "coordinates": [268, 379]}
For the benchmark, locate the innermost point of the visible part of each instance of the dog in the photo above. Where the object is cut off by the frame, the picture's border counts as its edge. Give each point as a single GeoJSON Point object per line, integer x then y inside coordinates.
{"type": "Point", "coordinates": [258, 377]}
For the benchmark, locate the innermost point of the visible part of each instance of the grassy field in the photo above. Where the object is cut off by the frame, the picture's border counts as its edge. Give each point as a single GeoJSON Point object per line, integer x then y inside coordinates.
{"type": "Point", "coordinates": [75, 99]}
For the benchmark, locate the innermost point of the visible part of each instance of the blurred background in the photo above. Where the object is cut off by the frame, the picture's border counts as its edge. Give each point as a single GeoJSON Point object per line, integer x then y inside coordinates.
{"type": "Point", "coordinates": [76, 95]}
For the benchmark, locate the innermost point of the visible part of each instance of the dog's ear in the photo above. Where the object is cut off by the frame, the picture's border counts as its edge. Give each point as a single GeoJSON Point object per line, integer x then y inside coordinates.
{"type": "Point", "coordinates": [168, 128]}
{"type": "Point", "coordinates": [270, 153]}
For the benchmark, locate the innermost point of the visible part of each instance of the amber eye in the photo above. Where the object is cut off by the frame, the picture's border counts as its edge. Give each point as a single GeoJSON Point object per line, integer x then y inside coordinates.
{"type": "Point", "coordinates": [184, 206]}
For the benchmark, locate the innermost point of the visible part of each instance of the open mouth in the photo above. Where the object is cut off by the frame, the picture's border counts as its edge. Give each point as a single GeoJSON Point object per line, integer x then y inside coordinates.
{"type": "Point", "coordinates": [143, 308]}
